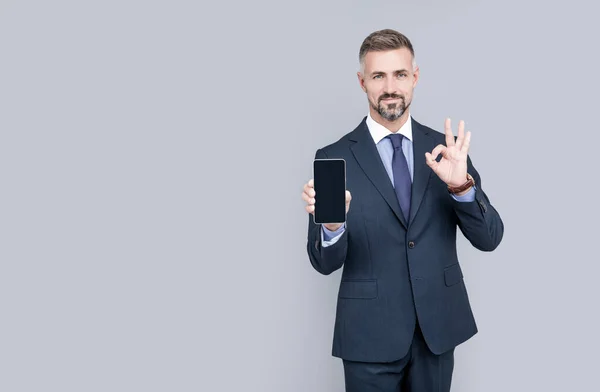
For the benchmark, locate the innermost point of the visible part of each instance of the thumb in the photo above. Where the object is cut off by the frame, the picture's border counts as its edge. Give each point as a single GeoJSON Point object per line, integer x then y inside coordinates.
{"type": "Point", "coordinates": [432, 163]}
{"type": "Point", "coordinates": [348, 198]}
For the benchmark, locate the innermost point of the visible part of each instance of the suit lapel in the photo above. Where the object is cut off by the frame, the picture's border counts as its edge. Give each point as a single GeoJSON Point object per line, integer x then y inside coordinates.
{"type": "Point", "coordinates": [422, 143]}
{"type": "Point", "coordinates": [367, 156]}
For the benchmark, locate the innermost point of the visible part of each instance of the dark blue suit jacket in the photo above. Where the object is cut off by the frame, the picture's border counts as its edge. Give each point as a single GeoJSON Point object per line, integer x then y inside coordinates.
{"type": "Point", "coordinates": [397, 271]}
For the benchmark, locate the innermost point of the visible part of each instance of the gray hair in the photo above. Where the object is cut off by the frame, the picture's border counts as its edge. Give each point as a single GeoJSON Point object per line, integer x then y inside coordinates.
{"type": "Point", "coordinates": [384, 40]}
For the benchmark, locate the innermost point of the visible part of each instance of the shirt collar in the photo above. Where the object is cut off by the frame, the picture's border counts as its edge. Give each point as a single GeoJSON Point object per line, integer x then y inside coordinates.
{"type": "Point", "coordinates": [378, 131]}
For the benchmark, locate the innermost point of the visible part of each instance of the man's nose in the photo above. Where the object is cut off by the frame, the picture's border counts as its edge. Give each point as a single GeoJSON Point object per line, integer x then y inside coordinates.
{"type": "Point", "coordinates": [390, 86]}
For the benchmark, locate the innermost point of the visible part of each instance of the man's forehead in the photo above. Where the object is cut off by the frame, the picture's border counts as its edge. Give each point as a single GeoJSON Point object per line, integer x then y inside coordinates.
{"type": "Point", "coordinates": [388, 61]}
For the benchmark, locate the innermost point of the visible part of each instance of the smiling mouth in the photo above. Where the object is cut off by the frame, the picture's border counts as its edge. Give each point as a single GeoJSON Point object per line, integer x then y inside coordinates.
{"type": "Point", "coordinates": [389, 99]}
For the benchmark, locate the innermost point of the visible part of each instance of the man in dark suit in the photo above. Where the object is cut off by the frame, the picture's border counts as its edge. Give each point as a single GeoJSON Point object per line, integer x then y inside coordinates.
{"type": "Point", "coordinates": [402, 304]}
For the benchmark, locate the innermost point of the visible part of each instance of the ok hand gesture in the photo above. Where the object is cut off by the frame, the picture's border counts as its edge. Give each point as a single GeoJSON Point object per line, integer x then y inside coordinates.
{"type": "Point", "coordinates": [452, 168]}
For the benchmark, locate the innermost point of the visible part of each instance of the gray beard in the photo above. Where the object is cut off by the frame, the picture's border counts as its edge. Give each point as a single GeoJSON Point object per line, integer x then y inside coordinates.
{"type": "Point", "coordinates": [394, 112]}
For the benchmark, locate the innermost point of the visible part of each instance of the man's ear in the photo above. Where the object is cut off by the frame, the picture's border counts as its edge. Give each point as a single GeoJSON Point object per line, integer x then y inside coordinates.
{"type": "Point", "coordinates": [361, 81]}
{"type": "Point", "coordinates": [416, 75]}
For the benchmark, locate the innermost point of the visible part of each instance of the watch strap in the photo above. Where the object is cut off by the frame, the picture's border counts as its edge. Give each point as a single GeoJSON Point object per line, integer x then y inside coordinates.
{"type": "Point", "coordinates": [470, 182]}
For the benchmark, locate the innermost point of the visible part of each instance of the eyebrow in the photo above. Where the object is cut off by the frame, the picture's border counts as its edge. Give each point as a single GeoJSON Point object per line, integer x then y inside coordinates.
{"type": "Point", "coordinates": [383, 73]}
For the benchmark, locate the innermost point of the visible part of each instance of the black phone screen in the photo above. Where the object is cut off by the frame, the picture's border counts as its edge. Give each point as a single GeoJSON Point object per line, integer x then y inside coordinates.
{"type": "Point", "coordinates": [330, 190]}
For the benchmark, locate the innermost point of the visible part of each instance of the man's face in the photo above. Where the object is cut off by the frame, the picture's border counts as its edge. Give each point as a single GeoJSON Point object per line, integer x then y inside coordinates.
{"type": "Point", "coordinates": [389, 79]}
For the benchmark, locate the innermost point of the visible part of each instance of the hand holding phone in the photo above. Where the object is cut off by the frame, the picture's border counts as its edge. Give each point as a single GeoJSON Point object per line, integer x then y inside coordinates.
{"type": "Point", "coordinates": [326, 196]}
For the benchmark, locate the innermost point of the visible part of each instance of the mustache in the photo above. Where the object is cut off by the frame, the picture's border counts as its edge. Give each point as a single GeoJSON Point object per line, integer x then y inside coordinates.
{"type": "Point", "coordinates": [393, 96]}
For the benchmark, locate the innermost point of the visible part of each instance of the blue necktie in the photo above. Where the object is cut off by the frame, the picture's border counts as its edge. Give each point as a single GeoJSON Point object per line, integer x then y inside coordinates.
{"type": "Point", "coordinates": [402, 181]}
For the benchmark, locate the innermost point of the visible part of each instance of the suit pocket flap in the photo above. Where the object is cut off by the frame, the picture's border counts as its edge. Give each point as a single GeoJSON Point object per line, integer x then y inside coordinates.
{"type": "Point", "coordinates": [453, 274]}
{"type": "Point", "coordinates": [365, 289]}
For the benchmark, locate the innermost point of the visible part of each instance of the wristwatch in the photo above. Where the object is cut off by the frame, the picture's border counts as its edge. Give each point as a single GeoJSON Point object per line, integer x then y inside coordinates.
{"type": "Point", "coordinates": [470, 182]}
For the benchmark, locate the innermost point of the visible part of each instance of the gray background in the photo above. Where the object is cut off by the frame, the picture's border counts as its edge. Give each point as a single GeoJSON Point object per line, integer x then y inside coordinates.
{"type": "Point", "coordinates": [152, 156]}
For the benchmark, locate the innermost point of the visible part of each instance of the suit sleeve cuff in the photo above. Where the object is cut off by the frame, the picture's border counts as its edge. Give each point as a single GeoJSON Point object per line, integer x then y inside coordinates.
{"type": "Point", "coordinates": [329, 237]}
{"type": "Point", "coordinates": [467, 197]}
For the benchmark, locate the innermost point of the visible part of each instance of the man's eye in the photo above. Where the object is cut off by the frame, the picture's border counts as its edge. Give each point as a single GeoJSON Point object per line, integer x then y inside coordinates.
{"type": "Point", "coordinates": [402, 75]}
{"type": "Point", "coordinates": [377, 77]}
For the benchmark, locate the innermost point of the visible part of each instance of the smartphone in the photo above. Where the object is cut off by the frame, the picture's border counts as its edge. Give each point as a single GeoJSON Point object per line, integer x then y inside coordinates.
{"type": "Point", "coordinates": [330, 190]}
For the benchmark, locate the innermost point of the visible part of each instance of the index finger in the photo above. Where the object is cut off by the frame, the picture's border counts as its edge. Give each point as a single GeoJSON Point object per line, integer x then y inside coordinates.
{"type": "Point", "coordinates": [309, 186]}
{"type": "Point", "coordinates": [448, 132]}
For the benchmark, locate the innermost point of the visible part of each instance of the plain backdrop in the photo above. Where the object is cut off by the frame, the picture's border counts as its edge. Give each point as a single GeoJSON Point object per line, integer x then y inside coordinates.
{"type": "Point", "coordinates": [152, 158]}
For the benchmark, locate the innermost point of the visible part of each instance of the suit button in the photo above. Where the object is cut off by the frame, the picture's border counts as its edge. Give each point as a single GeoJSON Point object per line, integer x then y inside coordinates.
{"type": "Point", "coordinates": [411, 244]}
